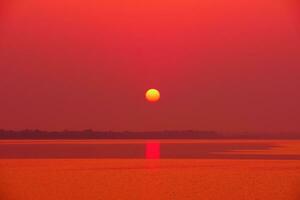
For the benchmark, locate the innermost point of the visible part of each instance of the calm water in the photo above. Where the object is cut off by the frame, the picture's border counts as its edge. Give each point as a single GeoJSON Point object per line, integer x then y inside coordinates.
{"type": "Point", "coordinates": [164, 149]}
{"type": "Point", "coordinates": [136, 169]}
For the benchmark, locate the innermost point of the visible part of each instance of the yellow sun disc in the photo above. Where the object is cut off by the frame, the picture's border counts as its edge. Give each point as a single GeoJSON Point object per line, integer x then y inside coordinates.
{"type": "Point", "coordinates": [152, 95]}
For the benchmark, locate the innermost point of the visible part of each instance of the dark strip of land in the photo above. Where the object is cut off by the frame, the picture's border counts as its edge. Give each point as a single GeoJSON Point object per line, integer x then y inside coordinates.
{"type": "Point", "coordinates": [90, 134]}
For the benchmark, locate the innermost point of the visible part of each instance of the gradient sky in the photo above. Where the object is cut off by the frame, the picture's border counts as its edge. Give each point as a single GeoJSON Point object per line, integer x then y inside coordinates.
{"type": "Point", "coordinates": [224, 65]}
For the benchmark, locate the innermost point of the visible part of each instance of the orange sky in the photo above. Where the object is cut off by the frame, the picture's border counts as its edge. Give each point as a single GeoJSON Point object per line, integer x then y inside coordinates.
{"type": "Point", "coordinates": [228, 65]}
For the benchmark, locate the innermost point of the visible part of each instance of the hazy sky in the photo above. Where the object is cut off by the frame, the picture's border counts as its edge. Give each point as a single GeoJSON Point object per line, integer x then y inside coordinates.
{"type": "Point", "coordinates": [229, 65]}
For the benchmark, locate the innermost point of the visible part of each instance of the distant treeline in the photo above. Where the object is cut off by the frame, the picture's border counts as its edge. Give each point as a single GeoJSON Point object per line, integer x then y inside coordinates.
{"type": "Point", "coordinates": [90, 134]}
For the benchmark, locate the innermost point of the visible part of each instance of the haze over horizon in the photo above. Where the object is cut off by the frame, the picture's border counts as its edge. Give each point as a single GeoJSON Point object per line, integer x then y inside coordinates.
{"type": "Point", "coordinates": [229, 66]}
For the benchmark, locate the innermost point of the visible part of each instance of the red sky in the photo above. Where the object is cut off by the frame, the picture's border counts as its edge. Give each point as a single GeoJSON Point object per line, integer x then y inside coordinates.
{"type": "Point", "coordinates": [224, 65]}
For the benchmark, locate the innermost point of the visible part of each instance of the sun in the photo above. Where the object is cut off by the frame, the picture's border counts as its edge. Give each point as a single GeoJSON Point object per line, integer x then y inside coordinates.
{"type": "Point", "coordinates": [152, 95]}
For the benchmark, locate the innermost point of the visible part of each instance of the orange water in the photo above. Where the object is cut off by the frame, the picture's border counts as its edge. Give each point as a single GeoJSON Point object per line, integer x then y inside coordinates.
{"type": "Point", "coordinates": [164, 178]}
